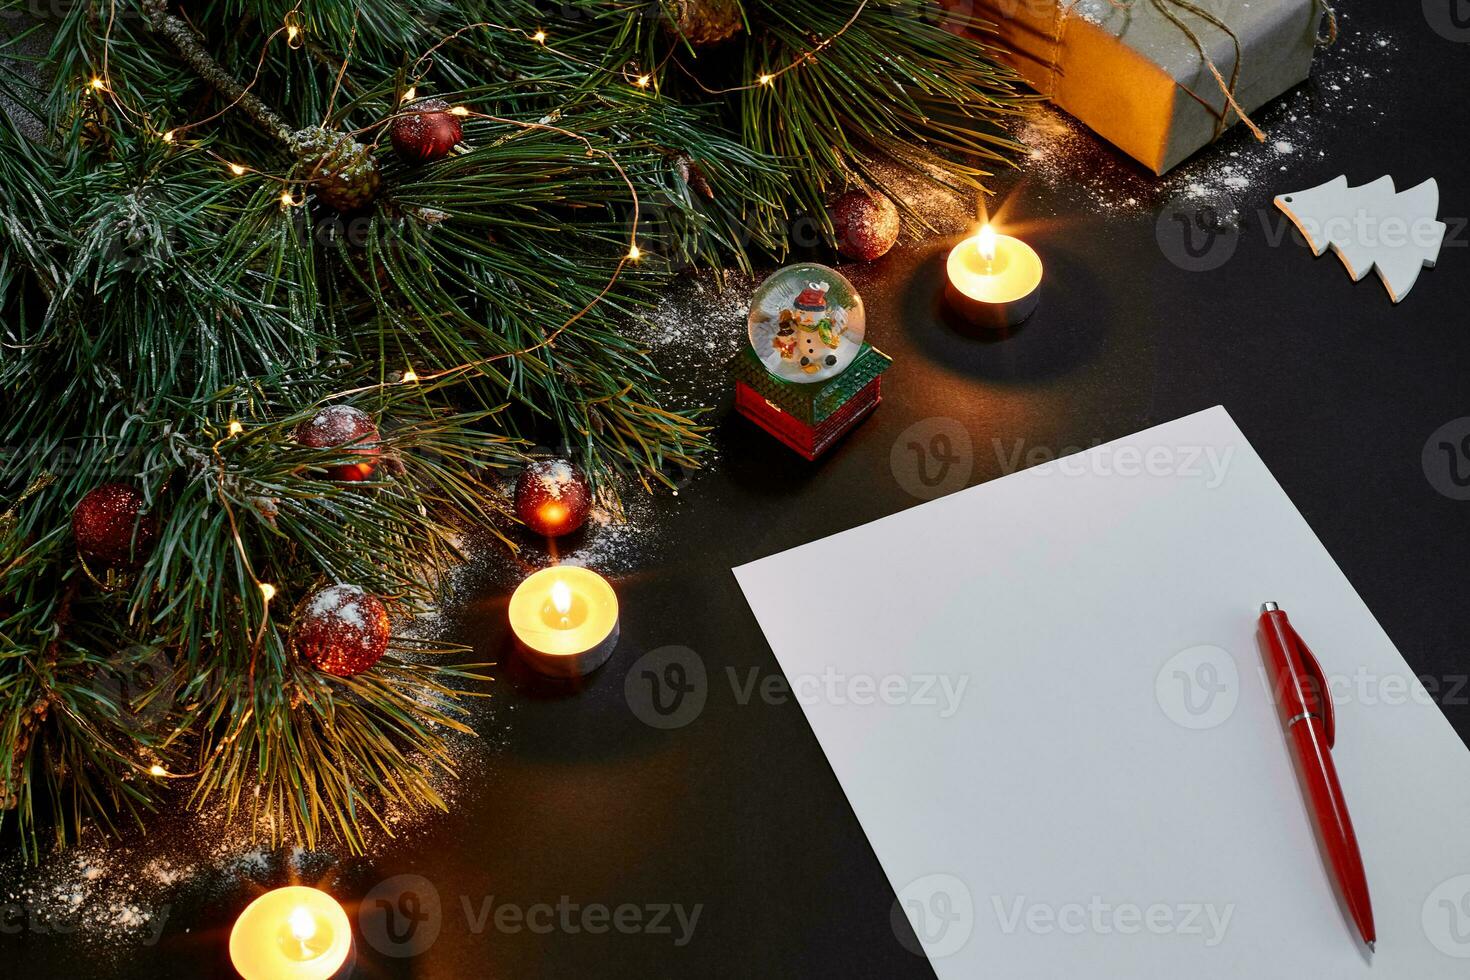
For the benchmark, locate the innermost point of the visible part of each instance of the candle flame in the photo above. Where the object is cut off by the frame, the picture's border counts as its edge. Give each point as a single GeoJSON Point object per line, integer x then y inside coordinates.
{"type": "Point", "coordinates": [986, 243]}
{"type": "Point", "coordinates": [303, 926]}
{"type": "Point", "coordinates": [561, 597]}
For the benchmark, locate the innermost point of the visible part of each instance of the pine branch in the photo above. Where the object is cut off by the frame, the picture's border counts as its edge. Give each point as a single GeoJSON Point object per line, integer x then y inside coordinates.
{"type": "Point", "coordinates": [153, 296]}
{"type": "Point", "coordinates": [191, 626]}
{"type": "Point", "coordinates": [850, 85]}
{"type": "Point", "coordinates": [191, 46]}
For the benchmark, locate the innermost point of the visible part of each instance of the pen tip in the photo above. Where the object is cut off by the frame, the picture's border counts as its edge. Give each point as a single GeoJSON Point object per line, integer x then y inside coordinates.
{"type": "Point", "coordinates": [1373, 946]}
{"type": "Point", "coordinates": [1269, 607]}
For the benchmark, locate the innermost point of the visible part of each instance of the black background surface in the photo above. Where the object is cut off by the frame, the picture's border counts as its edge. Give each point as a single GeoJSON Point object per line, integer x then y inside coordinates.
{"type": "Point", "coordinates": [738, 811]}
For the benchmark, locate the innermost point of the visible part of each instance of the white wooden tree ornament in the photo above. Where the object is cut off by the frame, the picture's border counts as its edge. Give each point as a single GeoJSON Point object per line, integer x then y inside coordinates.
{"type": "Point", "coordinates": [1372, 227]}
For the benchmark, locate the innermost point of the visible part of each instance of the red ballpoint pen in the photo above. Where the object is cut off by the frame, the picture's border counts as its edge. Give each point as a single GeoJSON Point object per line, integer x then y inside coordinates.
{"type": "Point", "coordinates": [1305, 702]}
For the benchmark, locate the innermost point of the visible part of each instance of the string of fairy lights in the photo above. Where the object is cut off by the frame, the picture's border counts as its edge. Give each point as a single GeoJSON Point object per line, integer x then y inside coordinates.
{"type": "Point", "coordinates": [295, 35]}
{"type": "Point", "coordinates": [294, 32]}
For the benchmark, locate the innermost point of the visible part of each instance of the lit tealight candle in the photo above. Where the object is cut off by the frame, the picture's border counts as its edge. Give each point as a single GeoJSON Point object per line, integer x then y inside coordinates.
{"type": "Point", "coordinates": [294, 933]}
{"type": "Point", "coordinates": [993, 280]}
{"type": "Point", "coordinates": [565, 620]}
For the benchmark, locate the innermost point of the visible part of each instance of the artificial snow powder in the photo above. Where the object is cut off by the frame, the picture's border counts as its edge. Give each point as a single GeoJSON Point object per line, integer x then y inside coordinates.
{"type": "Point", "coordinates": [554, 476]}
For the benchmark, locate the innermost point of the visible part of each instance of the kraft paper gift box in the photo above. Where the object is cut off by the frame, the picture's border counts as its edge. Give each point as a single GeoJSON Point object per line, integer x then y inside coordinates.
{"type": "Point", "coordinates": [1137, 80]}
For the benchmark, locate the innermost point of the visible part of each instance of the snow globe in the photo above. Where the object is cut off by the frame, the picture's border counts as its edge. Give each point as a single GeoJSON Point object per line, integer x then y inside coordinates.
{"type": "Point", "coordinates": [806, 323]}
{"type": "Point", "coordinates": [809, 375]}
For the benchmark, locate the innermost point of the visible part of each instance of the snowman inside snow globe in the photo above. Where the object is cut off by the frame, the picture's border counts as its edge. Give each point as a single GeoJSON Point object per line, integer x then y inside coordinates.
{"type": "Point", "coordinates": [806, 323]}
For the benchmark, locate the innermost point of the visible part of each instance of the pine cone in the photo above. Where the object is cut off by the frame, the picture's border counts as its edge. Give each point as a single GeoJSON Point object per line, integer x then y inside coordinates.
{"type": "Point", "coordinates": [705, 21]}
{"type": "Point", "coordinates": [693, 175]}
{"type": "Point", "coordinates": [342, 170]}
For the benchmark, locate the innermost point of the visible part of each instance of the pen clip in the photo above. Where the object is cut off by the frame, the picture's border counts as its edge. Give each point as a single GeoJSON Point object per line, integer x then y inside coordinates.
{"type": "Point", "coordinates": [1319, 680]}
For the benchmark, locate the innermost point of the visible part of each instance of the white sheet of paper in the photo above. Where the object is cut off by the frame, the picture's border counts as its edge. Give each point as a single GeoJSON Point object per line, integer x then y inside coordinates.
{"type": "Point", "coordinates": [1044, 700]}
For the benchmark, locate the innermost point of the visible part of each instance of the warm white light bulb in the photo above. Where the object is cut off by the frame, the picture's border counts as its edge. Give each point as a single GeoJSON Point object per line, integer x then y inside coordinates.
{"type": "Point", "coordinates": [237, 170]}
{"type": "Point", "coordinates": [268, 591]}
{"type": "Point", "coordinates": [410, 95]}
{"type": "Point", "coordinates": [766, 79]}
{"type": "Point", "coordinates": [236, 428]}
{"type": "Point", "coordinates": [539, 37]}
{"type": "Point", "coordinates": [635, 253]}
{"type": "Point", "coordinates": [459, 110]}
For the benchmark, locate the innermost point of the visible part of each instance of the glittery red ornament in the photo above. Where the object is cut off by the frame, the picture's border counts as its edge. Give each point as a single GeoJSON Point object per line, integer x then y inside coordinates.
{"type": "Point", "coordinates": [425, 131]}
{"type": "Point", "coordinates": [340, 425]}
{"type": "Point", "coordinates": [341, 630]}
{"type": "Point", "coordinates": [866, 224]}
{"type": "Point", "coordinates": [110, 527]}
{"type": "Point", "coordinates": [553, 497]}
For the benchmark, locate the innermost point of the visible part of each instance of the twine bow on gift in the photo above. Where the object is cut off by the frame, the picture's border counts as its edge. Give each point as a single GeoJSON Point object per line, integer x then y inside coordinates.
{"type": "Point", "coordinates": [1222, 117]}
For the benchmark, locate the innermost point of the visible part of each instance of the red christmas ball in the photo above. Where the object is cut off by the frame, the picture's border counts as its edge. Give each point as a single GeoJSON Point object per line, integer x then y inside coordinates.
{"type": "Point", "coordinates": [553, 497]}
{"type": "Point", "coordinates": [866, 224]}
{"type": "Point", "coordinates": [425, 131]}
{"type": "Point", "coordinates": [341, 425]}
{"type": "Point", "coordinates": [111, 528]}
{"type": "Point", "coordinates": [341, 630]}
